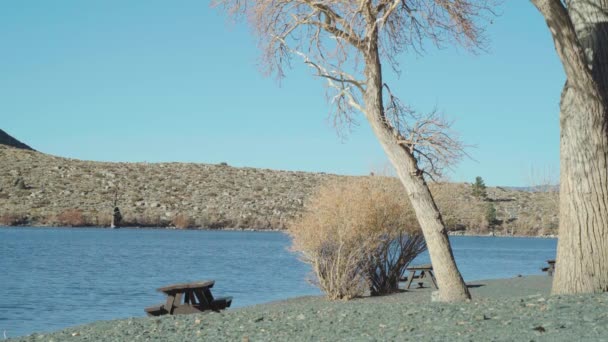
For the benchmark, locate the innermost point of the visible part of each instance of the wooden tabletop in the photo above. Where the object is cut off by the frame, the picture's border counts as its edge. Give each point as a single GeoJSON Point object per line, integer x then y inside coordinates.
{"type": "Point", "coordinates": [420, 267]}
{"type": "Point", "coordinates": [184, 286]}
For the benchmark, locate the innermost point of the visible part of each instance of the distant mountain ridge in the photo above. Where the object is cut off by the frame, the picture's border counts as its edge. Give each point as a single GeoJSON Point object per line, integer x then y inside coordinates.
{"type": "Point", "coordinates": [6, 139]}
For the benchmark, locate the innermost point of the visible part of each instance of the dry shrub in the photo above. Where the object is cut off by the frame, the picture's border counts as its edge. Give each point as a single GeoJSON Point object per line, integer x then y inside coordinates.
{"type": "Point", "coordinates": [71, 218]}
{"type": "Point", "coordinates": [527, 224]}
{"type": "Point", "coordinates": [201, 221]}
{"type": "Point", "coordinates": [183, 221]}
{"type": "Point", "coordinates": [217, 220]}
{"type": "Point", "coordinates": [394, 251]}
{"type": "Point", "coordinates": [99, 219]}
{"type": "Point", "coordinates": [245, 221]}
{"type": "Point", "coordinates": [349, 230]}
{"type": "Point", "coordinates": [12, 219]}
{"type": "Point", "coordinates": [146, 219]}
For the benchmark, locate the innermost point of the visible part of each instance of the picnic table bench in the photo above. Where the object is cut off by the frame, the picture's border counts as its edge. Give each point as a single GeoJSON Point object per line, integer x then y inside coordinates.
{"type": "Point", "coordinates": [550, 269]}
{"type": "Point", "coordinates": [425, 273]}
{"type": "Point", "coordinates": [188, 298]}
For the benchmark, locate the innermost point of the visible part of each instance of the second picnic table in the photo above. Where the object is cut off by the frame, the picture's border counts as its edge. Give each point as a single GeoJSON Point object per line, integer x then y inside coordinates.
{"type": "Point", "coordinates": [425, 272]}
{"type": "Point", "coordinates": [550, 269]}
{"type": "Point", "coordinates": [187, 298]}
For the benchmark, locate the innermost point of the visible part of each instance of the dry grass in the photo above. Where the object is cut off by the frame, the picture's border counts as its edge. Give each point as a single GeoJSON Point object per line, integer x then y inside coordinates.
{"type": "Point", "coordinates": [345, 228]}
{"type": "Point", "coordinates": [100, 219]}
{"type": "Point", "coordinates": [71, 218]}
{"type": "Point", "coordinates": [183, 221]}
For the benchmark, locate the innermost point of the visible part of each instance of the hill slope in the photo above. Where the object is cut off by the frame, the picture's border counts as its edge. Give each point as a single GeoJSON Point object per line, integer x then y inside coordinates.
{"type": "Point", "coordinates": [40, 189]}
{"type": "Point", "coordinates": [6, 139]}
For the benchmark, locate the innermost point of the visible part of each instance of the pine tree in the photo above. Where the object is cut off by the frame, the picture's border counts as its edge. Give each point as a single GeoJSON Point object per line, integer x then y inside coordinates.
{"type": "Point", "coordinates": [491, 214]}
{"type": "Point", "coordinates": [478, 189]}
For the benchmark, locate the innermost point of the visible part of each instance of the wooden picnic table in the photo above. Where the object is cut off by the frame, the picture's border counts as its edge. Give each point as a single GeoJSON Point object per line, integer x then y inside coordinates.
{"type": "Point", "coordinates": [425, 272]}
{"type": "Point", "coordinates": [550, 269]}
{"type": "Point", "coordinates": [187, 298]}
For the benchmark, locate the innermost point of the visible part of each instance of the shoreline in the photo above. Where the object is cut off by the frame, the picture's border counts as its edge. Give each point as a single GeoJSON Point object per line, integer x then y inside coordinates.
{"type": "Point", "coordinates": [450, 233]}
{"type": "Point", "coordinates": [510, 309]}
{"type": "Point", "coordinates": [459, 233]}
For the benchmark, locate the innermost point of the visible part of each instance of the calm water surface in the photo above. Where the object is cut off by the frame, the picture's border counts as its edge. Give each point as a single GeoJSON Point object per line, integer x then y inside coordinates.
{"type": "Point", "coordinates": [54, 278]}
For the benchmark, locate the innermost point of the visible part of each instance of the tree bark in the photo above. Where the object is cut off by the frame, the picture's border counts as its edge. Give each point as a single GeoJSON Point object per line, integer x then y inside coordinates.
{"type": "Point", "coordinates": [580, 33]}
{"type": "Point", "coordinates": [451, 285]}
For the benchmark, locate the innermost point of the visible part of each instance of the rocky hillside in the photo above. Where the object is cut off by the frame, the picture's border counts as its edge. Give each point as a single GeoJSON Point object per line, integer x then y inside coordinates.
{"type": "Point", "coordinates": [8, 140]}
{"type": "Point", "coordinates": [39, 189]}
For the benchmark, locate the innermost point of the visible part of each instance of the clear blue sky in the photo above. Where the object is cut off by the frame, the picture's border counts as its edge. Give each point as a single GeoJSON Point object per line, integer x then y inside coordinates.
{"type": "Point", "coordinates": [148, 80]}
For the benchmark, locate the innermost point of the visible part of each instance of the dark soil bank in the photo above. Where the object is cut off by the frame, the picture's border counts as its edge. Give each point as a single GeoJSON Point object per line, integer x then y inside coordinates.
{"type": "Point", "coordinates": [518, 309]}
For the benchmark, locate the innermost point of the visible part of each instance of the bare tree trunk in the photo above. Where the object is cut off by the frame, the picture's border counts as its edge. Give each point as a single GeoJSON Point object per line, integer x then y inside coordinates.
{"type": "Point", "coordinates": [581, 37]}
{"type": "Point", "coordinates": [451, 285]}
{"type": "Point", "coordinates": [582, 252]}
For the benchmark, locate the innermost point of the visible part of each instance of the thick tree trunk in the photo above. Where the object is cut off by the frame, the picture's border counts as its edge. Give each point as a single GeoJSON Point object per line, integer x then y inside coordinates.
{"type": "Point", "coordinates": [581, 38]}
{"type": "Point", "coordinates": [451, 285]}
{"type": "Point", "coordinates": [582, 251]}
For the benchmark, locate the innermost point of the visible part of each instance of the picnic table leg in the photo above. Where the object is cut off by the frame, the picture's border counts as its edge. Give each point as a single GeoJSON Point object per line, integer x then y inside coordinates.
{"type": "Point", "coordinates": [173, 301]}
{"type": "Point", "coordinates": [208, 295]}
{"type": "Point", "coordinates": [434, 281]}
{"type": "Point", "coordinates": [194, 298]}
{"type": "Point", "coordinates": [411, 278]}
{"type": "Point", "coordinates": [190, 298]}
{"type": "Point", "coordinates": [203, 300]}
{"type": "Point", "coordinates": [422, 278]}
{"type": "Point", "coordinates": [169, 304]}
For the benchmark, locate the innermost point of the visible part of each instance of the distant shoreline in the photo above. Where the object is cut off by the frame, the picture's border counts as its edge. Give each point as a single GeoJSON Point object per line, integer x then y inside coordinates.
{"type": "Point", "coordinates": [145, 227]}
{"type": "Point", "coordinates": [457, 233]}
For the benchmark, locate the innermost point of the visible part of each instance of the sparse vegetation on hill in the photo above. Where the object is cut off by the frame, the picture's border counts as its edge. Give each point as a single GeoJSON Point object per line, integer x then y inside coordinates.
{"type": "Point", "coordinates": [48, 190]}
{"type": "Point", "coordinates": [39, 189]}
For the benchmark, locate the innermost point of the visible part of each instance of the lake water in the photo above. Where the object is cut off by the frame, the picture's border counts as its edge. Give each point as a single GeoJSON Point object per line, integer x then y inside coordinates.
{"type": "Point", "coordinates": [54, 278]}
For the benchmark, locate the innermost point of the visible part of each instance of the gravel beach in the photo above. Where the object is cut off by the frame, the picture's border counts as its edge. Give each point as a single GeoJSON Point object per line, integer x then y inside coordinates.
{"type": "Point", "coordinates": [517, 309]}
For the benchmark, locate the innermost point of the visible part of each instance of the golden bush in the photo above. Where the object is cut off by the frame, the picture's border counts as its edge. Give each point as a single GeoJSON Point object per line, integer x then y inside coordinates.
{"type": "Point", "coordinates": [347, 225]}
{"type": "Point", "coordinates": [71, 218]}
{"type": "Point", "coordinates": [183, 221]}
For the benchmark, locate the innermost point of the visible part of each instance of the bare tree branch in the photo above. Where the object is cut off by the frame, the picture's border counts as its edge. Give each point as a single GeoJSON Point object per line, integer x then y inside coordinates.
{"type": "Point", "coordinates": [429, 137]}
{"type": "Point", "coordinates": [347, 40]}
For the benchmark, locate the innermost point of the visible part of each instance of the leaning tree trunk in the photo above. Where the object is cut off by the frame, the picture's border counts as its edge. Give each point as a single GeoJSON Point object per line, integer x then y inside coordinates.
{"type": "Point", "coordinates": [580, 34]}
{"type": "Point", "coordinates": [451, 285]}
